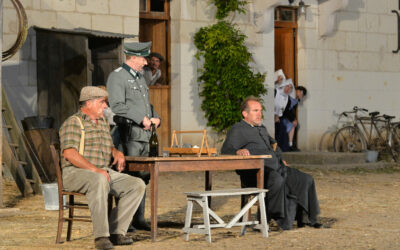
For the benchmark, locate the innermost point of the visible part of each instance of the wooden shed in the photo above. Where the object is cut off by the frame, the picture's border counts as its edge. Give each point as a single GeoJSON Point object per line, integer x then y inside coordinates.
{"type": "Point", "coordinates": [68, 60]}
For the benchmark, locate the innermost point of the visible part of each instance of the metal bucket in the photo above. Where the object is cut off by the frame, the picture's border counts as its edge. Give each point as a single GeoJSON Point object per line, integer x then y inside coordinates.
{"type": "Point", "coordinates": [50, 195]}
{"type": "Point", "coordinates": [371, 155]}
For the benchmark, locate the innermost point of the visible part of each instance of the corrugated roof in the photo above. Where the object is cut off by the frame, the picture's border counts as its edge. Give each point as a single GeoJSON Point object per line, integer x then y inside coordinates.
{"type": "Point", "coordinates": [88, 32]}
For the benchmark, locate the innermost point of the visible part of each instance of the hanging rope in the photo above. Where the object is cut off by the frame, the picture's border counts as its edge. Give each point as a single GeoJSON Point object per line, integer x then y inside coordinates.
{"type": "Point", "coordinates": [22, 31]}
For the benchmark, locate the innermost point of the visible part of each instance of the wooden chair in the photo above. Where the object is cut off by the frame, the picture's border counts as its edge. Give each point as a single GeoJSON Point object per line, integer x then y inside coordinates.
{"type": "Point", "coordinates": [71, 203]}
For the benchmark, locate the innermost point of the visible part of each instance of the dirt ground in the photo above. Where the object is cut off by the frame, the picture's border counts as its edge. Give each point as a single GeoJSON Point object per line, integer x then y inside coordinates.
{"type": "Point", "coordinates": [360, 210]}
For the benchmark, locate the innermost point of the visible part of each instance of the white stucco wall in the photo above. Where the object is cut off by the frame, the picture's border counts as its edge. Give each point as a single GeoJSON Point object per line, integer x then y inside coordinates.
{"type": "Point", "coordinates": [353, 66]}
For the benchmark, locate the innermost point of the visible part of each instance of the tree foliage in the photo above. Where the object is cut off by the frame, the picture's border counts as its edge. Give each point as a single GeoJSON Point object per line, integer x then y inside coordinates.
{"type": "Point", "coordinates": [226, 76]}
{"type": "Point", "coordinates": [224, 7]}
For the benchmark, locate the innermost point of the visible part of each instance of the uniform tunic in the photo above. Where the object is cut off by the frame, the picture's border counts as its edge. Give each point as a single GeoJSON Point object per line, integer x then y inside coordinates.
{"type": "Point", "coordinates": [95, 186]}
{"type": "Point", "coordinates": [128, 96]}
{"type": "Point", "coordinates": [284, 183]}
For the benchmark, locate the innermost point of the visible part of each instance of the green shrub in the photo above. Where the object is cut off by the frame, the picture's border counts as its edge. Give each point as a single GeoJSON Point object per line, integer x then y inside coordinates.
{"type": "Point", "coordinates": [226, 78]}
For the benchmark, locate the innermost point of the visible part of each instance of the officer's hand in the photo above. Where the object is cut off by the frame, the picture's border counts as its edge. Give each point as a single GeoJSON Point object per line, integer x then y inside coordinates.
{"type": "Point", "coordinates": [119, 160]}
{"type": "Point", "coordinates": [146, 123]}
{"type": "Point", "coordinates": [156, 121]}
{"type": "Point", "coordinates": [243, 151]}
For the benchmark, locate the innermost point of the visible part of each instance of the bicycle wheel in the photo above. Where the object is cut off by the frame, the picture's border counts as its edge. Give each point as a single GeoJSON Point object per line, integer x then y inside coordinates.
{"type": "Point", "coordinates": [349, 139]}
{"type": "Point", "coordinates": [394, 142]}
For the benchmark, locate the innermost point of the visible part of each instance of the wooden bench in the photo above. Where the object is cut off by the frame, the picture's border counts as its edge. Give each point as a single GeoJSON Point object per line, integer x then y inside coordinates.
{"type": "Point", "coordinates": [201, 199]}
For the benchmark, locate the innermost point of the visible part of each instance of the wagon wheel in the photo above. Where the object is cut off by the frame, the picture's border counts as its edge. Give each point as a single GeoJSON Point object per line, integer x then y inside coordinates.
{"type": "Point", "coordinates": [22, 31]}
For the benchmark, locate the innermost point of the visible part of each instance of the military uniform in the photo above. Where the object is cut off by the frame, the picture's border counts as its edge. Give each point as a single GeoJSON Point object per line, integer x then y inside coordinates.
{"type": "Point", "coordinates": [128, 96]}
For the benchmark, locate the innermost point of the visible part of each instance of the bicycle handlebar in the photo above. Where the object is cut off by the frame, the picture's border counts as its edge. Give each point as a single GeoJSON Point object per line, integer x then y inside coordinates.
{"type": "Point", "coordinates": [355, 108]}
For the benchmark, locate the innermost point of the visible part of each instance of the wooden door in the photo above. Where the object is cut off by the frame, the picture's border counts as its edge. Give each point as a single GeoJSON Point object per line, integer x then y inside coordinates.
{"type": "Point", "coordinates": [154, 26]}
{"type": "Point", "coordinates": [285, 52]}
{"type": "Point", "coordinates": [62, 71]}
{"type": "Point", "coordinates": [285, 42]}
{"type": "Point", "coordinates": [156, 31]}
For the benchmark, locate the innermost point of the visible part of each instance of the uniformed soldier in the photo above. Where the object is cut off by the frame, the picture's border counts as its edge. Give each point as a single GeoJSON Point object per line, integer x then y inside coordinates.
{"type": "Point", "coordinates": [129, 100]}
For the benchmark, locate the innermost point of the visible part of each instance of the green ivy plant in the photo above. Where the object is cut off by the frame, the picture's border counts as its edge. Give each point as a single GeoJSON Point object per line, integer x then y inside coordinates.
{"type": "Point", "coordinates": [224, 7]}
{"type": "Point", "coordinates": [226, 78]}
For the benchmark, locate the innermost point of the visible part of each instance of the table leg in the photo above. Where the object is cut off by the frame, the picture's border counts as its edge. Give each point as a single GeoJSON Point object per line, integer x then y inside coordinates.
{"type": "Point", "coordinates": [154, 200]}
{"type": "Point", "coordinates": [208, 187]}
{"type": "Point", "coordinates": [260, 175]}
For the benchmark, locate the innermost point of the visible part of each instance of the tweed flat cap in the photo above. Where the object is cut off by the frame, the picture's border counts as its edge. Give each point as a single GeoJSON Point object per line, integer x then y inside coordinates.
{"type": "Point", "coordinates": [92, 92]}
{"type": "Point", "coordinates": [137, 49]}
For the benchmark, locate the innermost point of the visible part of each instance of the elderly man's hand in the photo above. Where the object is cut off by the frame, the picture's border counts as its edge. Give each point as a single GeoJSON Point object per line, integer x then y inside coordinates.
{"type": "Point", "coordinates": [244, 152]}
{"type": "Point", "coordinates": [119, 160]}
{"type": "Point", "coordinates": [103, 172]}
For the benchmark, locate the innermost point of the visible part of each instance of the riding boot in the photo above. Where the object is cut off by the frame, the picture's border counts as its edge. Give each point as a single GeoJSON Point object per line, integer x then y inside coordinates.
{"type": "Point", "coordinates": [138, 221]}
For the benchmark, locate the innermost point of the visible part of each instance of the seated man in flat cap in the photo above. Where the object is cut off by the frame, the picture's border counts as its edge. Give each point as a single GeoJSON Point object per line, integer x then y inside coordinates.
{"type": "Point", "coordinates": [152, 72]}
{"type": "Point", "coordinates": [134, 115]}
{"type": "Point", "coordinates": [86, 168]}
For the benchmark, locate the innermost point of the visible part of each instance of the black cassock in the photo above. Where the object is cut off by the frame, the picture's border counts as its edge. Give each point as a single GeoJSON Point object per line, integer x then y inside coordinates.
{"type": "Point", "coordinates": [287, 186]}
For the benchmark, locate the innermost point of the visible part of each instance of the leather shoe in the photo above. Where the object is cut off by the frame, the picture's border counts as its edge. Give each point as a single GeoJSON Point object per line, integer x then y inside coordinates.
{"type": "Point", "coordinates": [103, 243]}
{"type": "Point", "coordinates": [141, 225]}
{"type": "Point", "coordinates": [317, 225]}
{"type": "Point", "coordinates": [119, 239]}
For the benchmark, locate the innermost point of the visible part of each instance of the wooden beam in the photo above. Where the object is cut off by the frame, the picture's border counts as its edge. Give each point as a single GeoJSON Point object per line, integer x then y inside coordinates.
{"type": "Point", "coordinates": [1, 108]}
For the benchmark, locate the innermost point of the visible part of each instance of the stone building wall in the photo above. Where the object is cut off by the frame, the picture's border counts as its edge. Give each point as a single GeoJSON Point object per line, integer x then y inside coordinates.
{"type": "Point", "coordinates": [19, 72]}
{"type": "Point", "coordinates": [353, 66]}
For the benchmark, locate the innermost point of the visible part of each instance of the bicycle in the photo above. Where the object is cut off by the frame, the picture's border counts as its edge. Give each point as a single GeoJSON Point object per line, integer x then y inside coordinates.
{"type": "Point", "coordinates": [349, 138]}
{"type": "Point", "coordinates": [365, 133]}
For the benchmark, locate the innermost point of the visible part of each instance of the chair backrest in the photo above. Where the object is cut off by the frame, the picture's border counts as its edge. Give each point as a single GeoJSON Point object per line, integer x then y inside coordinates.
{"type": "Point", "coordinates": [55, 155]}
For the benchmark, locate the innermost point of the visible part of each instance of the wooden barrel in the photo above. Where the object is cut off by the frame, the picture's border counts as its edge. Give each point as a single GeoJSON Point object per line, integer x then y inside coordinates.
{"type": "Point", "coordinates": [39, 134]}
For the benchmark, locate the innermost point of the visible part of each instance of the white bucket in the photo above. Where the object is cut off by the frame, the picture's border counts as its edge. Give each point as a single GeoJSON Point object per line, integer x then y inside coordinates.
{"type": "Point", "coordinates": [50, 195]}
{"type": "Point", "coordinates": [371, 155]}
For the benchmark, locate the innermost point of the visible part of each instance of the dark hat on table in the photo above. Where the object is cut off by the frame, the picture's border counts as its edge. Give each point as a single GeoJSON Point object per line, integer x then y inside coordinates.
{"type": "Point", "coordinates": [137, 49]}
{"type": "Point", "coordinates": [92, 92]}
{"type": "Point", "coordinates": [158, 55]}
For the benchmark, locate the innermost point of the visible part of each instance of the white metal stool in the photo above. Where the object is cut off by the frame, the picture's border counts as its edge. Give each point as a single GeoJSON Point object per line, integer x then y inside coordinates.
{"type": "Point", "coordinates": [201, 199]}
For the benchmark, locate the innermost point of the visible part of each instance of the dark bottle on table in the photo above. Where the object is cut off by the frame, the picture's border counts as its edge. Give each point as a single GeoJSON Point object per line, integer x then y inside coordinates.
{"type": "Point", "coordinates": [153, 142]}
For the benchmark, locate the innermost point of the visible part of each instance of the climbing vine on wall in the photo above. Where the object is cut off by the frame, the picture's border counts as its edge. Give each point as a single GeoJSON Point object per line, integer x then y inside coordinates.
{"type": "Point", "coordinates": [226, 77]}
{"type": "Point", "coordinates": [224, 7]}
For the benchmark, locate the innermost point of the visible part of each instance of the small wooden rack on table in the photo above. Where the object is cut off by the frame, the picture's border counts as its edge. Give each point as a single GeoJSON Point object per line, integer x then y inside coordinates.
{"type": "Point", "coordinates": [203, 149]}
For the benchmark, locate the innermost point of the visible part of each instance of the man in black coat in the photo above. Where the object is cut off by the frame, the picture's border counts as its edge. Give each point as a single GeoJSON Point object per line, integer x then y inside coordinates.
{"type": "Point", "coordinates": [291, 192]}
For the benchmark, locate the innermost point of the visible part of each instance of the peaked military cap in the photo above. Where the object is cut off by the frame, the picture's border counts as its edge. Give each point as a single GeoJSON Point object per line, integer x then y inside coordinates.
{"type": "Point", "coordinates": [137, 49]}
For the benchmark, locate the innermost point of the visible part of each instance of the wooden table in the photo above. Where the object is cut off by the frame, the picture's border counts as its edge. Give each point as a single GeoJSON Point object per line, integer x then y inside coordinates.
{"type": "Point", "coordinates": [155, 165]}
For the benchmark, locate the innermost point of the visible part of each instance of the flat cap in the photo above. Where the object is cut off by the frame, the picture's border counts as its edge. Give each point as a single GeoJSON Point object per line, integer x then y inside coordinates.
{"type": "Point", "coordinates": [92, 92]}
{"type": "Point", "coordinates": [158, 55]}
{"type": "Point", "coordinates": [137, 49]}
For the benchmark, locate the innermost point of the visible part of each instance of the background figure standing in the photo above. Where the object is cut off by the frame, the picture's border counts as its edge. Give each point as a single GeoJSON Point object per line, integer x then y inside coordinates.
{"type": "Point", "coordinates": [129, 100]}
{"type": "Point", "coordinates": [281, 102]}
{"type": "Point", "coordinates": [152, 72]}
{"type": "Point", "coordinates": [289, 117]}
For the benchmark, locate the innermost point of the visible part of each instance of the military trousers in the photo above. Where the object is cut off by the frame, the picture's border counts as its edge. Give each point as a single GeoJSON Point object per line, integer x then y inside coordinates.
{"type": "Point", "coordinates": [128, 189]}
